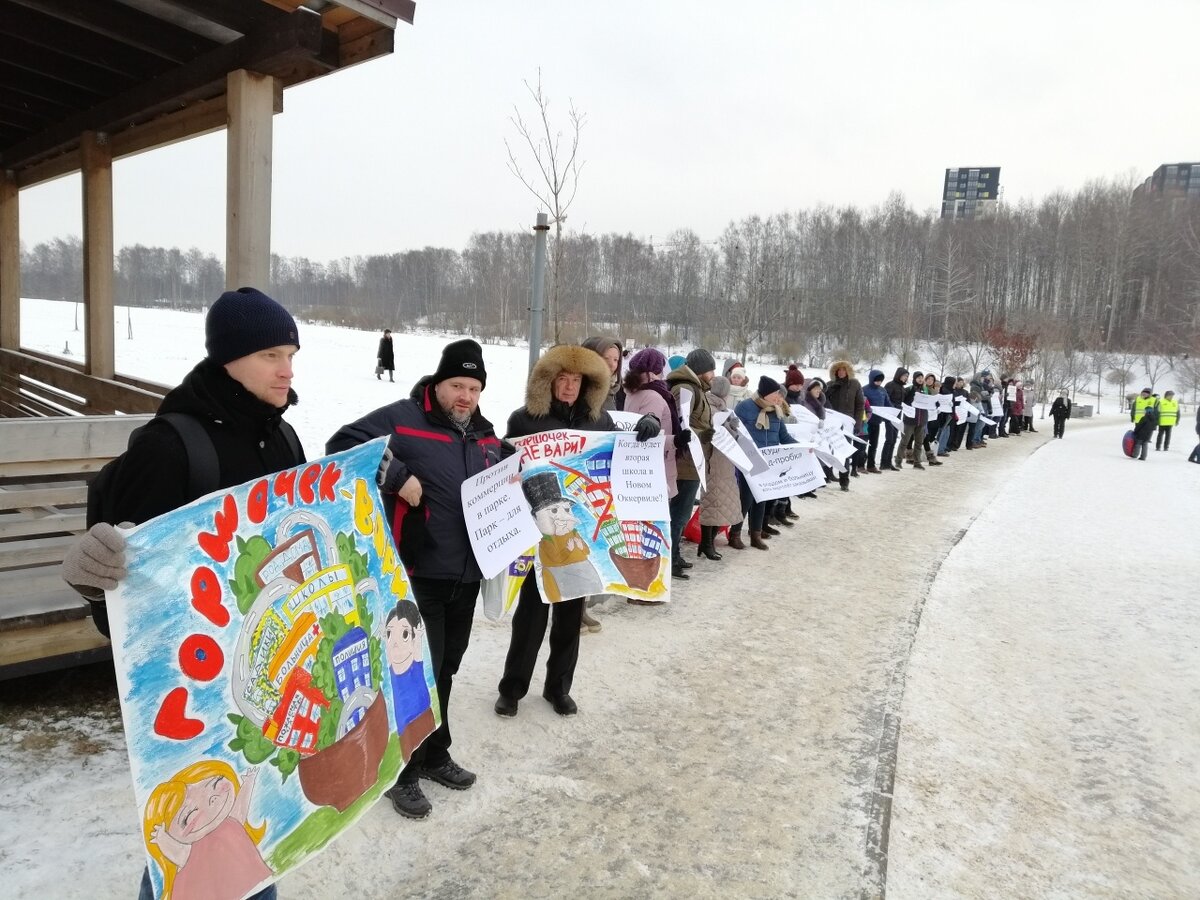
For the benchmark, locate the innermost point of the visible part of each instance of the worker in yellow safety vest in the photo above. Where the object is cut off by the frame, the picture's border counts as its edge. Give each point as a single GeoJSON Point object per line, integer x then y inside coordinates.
{"type": "Point", "coordinates": [1141, 403]}
{"type": "Point", "coordinates": [1168, 418]}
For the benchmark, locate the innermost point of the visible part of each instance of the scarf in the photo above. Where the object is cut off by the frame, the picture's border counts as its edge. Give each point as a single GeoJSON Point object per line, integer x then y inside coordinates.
{"type": "Point", "coordinates": [763, 422]}
{"type": "Point", "coordinates": [659, 387]}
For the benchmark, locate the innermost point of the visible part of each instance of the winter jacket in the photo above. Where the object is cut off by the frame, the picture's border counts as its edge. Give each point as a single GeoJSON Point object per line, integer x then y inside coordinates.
{"type": "Point", "coordinates": [684, 379]}
{"type": "Point", "coordinates": [1168, 412]}
{"type": "Point", "coordinates": [845, 395]}
{"type": "Point", "coordinates": [648, 402]}
{"type": "Point", "coordinates": [385, 356]}
{"type": "Point", "coordinates": [1060, 409]}
{"type": "Point", "coordinates": [946, 418]}
{"type": "Point", "coordinates": [815, 405]}
{"type": "Point", "coordinates": [542, 412]}
{"type": "Point", "coordinates": [895, 388]}
{"type": "Point", "coordinates": [1018, 406]}
{"type": "Point", "coordinates": [720, 502]}
{"type": "Point", "coordinates": [1143, 429]}
{"type": "Point", "coordinates": [152, 476]}
{"type": "Point", "coordinates": [432, 536]}
{"type": "Point", "coordinates": [773, 435]}
{"type": "Point", "coordinates": [877, 395]}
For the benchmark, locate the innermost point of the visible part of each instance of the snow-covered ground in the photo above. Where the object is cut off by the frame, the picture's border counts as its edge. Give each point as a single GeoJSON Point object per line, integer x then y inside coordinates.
{"type": "Point", "coordinates": [740, 742]}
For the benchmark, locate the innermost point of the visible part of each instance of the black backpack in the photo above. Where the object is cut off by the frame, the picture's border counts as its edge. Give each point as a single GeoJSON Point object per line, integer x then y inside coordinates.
{"type": "Point", "coordinates": [204, 469]}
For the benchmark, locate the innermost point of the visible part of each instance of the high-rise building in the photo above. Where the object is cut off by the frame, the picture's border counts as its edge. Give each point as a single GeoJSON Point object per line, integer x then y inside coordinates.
{"type": "Point", "coordinates": [967, 193]}
{"type": "Point", "coordinates": [1172, 180]}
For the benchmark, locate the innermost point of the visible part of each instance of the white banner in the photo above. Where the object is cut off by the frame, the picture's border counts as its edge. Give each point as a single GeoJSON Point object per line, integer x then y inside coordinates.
{"type": "Point", "coordinates": [910, 412]}
{"type": "Point", "coordinates": [997, 405]}
{"type": "Point", "coordinates": [887, 413]}
{"type": "Point", "coordinates": [747, 445]}
{"type": "Point", "coordinates": [788, 473]}
{"type": "Point", "coordinates": [927, 402]}
{"type": "Point", "coordinates": [727, 444]}
{"type": "Point", "coordinates": [639, 482]}
{"type": "Point", "coordinates": [499, 520]}
{"type": "Point", "coordinates": [625, 421]}
{"type": "Point", "coordinates": [694, 447]}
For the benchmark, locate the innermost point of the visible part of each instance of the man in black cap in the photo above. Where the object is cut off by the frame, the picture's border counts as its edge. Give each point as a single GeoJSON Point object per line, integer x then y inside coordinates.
{"type": "Point", "coordinates": [237, 395]}
{"type": "Point", "coordinates": [694, 378]}
{"type": "Point", "coordinates": [437, 439]}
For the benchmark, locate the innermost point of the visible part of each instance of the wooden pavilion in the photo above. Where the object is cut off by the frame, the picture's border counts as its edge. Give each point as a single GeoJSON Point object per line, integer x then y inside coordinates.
{"type": "Point", "coordinates": [82, 83]}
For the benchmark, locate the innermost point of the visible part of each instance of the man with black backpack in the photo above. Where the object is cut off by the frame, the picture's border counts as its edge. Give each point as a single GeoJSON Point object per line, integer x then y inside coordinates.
{"type": "Point", "coordinates": [221, 427]}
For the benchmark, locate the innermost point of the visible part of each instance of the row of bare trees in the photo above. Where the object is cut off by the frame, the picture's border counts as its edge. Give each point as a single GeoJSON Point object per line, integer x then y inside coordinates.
{"type": "Point", "coordinates": [1094, 271]}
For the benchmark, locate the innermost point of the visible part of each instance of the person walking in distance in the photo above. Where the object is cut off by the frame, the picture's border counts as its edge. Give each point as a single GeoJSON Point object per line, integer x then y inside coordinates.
{"type": "Point", "coordinates": [1060, 411]}
{"type": "Point", "coordinates": [1168, 418]}
{"type": "Point", "coordinates": [385, 357]}
{"type": "Point", "coordinates": [437, 439]}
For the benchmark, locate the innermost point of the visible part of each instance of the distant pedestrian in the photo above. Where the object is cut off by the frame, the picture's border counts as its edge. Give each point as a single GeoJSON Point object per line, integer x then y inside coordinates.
{"type": "Point", "coordinates": [1144, 414]}
{"type": "Point", "coordinates": [1060, 411]}
{"type": "Point", "coordinates": [385, 357]}
{"type": "Point", "coordinates": [1168, 418]}
{"type": "Point", "coordinates": [1195, 455]}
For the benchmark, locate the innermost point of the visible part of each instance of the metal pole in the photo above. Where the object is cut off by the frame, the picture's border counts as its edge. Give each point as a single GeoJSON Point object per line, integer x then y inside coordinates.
{"type": "Point", "coordinates": [540, 231]}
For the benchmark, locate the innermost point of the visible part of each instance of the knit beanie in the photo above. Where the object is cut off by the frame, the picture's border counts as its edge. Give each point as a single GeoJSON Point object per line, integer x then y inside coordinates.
{"type": "Point", "coordinates": [736, 372]}
{"type": "Point", "coordinates": [461, 359]}
{"type": "Point", "coordinates": [647, 360]}
{"type": "Point", "coordinates": [793, 376]}
{"type": "Point", "coordinates": [719, 386]}
{"type": "Point", "coordinates": [701, 361]}
{"type": "Point", "coordinates": [245, 321]}
{"type": "Point", "coordinates": [767, 386]}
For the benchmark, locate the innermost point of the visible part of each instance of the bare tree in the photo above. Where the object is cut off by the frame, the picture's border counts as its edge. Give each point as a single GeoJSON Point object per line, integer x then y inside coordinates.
{"type": "Point", "coordinates": [557, 179]}
{"type": "Point", "coordinates": [1156, 367]}
{"type": "Point", "coordinates": [1098, 361]}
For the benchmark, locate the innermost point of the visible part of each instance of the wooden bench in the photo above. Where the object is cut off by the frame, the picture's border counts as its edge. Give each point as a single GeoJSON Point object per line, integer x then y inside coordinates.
{"type": "Point", "coordinates": [45, 465]}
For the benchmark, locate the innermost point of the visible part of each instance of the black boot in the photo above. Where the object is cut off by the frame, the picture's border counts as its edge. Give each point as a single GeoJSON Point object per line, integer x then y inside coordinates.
{"type": "Point", "coordinates": [735, 537]}
{"type": "Point", "coordinates": [708, 534]}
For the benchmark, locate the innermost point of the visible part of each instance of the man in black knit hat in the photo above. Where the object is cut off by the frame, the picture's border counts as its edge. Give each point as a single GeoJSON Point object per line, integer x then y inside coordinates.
{"type": "Point", "coordinates": [238, 395]}
{"type": "Point", "coordinates": [437, 440]}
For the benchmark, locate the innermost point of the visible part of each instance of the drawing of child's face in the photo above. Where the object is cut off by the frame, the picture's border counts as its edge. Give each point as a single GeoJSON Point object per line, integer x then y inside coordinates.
{"type": "Point", "coordinates": [401, 640]}
{"type": "Point", "coordinates": [206, 805]}
{"type": "Point", "coordinates": [557, 518]}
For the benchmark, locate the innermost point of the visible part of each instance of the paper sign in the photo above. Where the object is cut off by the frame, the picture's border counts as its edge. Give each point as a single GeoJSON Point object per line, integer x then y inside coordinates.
{"type": "Point", "coordinates": [887, 413]}
{"type": "Point", "coordinates": [499, 521]}
{"type": "Point", "coordinates": [625, 421]}
{"type": "Point", "coordinates": [273, 673]}
{"type": "Point", "coordinates": [788, 473]}
{"type": "Point", "coordinates": [748, 447]}
{"type": "Point", "coordinates": [720, 416]}
{"type": "Point", "coordinates": [997, 405]}
{"type": "Point", "coordinates": [695, 448]}
{"type": "Point", "coordinates": [925, 401]}
{"type": "Point", "coordinates": [840, 420]}
{"type": "Point", "coordinates": [727, 444]}
{"type": "Point", "coordinates": [585, 547]}
{"type": "Point", "coordinates": [986, 421]}
{"type": "Point", "coordinates": [639, 483]}
{"type": "Point", "coordinates": [1010, 392]}
{"type": "Point", "coordinates": [805, 416]}
{"type": "Point", "coordinates": [804, 431]}
{"type": "Point", "coordinates": [910, 412]}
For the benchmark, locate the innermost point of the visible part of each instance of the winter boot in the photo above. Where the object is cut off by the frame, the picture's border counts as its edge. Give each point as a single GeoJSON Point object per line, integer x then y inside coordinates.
{"type": "Point", "coordinates": [589, 623]}
{"type": "Point", "coordinates": [768, 531]}
{"type": "Point", "coordinates": [781, 519]}
{"type": "Point", "coordinates": [708, 534]}
{"type": "Point", "coordinates": [931, 458]}
{"type": "Point", "coordinates": [757, 542]}
{"type": "Point", "coordinates": [872, 469]}
{"type": "Point", "coordinates": [735, 537]}
{"type": "Point", "coordinates": [917, 465]}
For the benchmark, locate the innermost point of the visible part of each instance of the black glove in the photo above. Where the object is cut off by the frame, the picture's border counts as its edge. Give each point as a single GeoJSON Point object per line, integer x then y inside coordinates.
{"type": "Point", "coordinates": [391, 473]}
{"type": "Point", "coordinates": [647, 427]}
{"type": "Point", "coordinates": [682, 439]}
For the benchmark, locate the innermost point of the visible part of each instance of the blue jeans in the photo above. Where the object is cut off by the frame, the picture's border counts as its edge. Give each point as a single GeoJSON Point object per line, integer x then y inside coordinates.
{"type": "Point", "coordinates": [146, 892]}
{"type": "Point", "coordinates": [681, 506]}
{"type": "Point", "coordinates": [943, 438]}
{"type": "Point", "coordinates": [977, 432]}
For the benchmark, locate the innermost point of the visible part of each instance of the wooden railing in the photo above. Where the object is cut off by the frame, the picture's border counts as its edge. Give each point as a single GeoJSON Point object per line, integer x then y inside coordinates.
{"type": "Point", "coordinates": [34, 384]}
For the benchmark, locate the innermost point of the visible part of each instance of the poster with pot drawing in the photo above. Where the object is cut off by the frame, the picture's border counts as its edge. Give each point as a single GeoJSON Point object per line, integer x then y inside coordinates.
{"type": "Point", "coordinates": [271, 668]}
{"type": "Point", "coordinates": [576, 496]}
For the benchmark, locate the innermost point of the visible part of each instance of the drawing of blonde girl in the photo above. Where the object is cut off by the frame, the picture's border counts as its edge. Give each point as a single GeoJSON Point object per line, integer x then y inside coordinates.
{"type": "Point", "coordinates": [195, 828]}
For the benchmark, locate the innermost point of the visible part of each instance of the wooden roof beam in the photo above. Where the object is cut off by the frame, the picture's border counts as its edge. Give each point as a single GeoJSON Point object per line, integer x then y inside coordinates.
{"type": "Point", "coordinates": [292, 52]}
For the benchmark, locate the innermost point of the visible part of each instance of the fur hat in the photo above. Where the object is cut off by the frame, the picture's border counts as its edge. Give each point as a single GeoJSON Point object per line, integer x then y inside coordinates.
{"type": "Point", "coordinates": [245, 321]}
{"type": "Point", "coordinates": [767, 386]}
{"type": "Point", "coordinates": [701, 361]}
{"type": "Point", "coordinates": [461, 359]}
{"type": "Point", "coordinates": [539, 390]}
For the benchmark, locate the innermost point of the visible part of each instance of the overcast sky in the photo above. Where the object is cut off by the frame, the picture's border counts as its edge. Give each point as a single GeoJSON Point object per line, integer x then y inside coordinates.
{"type": "Point", "coordinates": [698, 113]}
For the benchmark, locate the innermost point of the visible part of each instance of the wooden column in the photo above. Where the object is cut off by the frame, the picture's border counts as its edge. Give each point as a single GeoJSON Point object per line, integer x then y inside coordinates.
{"type": "Point", "coordinates": [10, 263]}
{"type": "Point", "coordinates": [96, 157]}
{"type": "Point", "coordinates": [251, 103]}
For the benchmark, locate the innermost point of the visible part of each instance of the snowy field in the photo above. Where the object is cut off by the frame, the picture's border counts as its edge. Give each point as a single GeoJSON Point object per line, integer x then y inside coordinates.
{"type": "Point", "coordinates": [1019, 617]}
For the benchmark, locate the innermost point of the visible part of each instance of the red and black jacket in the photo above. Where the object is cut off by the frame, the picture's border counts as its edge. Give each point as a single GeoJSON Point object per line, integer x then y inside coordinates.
{"type": "Point", "coordinates": [432, 537]}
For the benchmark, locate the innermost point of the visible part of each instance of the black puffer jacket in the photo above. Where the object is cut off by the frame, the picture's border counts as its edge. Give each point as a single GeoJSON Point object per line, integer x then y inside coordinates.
{"type": "Point", "coordinates": [152, 477]}
{"type": "Point", "coordinates": [432, 536]}
{"type": "Point", "coordinates": [895, 388]}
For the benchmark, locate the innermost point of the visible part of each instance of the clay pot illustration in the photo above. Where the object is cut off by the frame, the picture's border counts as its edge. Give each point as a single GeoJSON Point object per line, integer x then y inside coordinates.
{"type": "Point", "coordinates": [344, 771]}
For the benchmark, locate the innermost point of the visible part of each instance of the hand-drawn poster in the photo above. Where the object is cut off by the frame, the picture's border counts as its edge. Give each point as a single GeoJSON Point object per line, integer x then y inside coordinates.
{"type": "Point", "coordinates": [271, 670]}
{"type": "Point", "coordinates": [585, 549]}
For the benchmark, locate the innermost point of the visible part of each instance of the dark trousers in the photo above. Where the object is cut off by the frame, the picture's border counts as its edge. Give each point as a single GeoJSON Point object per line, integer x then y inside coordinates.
{"type": "Point", "coordinates": [957, 431]}
{"type": "Point", "coordinates": [447, 609]}
{"type": "Point", "coordinates": [1140, 448]}
{"type": "Point", "coordinates": [750, 507]}
{"type": "Point", "coordinates": [681, 506]}
{"type": "Point", "coordinates": [889, 444]}
{"type": "Point", "coordinates": [1162, 440]}
{"type": "Point", "coordinates": [1060, 426]}
{"type": "Point", "coordinates": [528, 629]}
{"type": "Point", "coordinates": [874, 427]}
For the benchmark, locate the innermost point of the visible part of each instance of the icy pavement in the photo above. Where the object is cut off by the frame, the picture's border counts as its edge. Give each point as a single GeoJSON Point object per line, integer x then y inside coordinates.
{"type": "Point", "coordinates": [1050, 743]}
{"type": "Point", "coordinates": [740, 742]}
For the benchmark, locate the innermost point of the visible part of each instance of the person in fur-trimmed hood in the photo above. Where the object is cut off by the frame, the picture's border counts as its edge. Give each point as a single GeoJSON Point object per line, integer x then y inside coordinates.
{"type": "Point", "coordinates": [844, 394]}
{"type": "Point", "coordinates": [567, 389]}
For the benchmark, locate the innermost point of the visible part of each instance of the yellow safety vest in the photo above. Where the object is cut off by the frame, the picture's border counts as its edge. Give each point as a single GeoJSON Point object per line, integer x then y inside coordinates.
{"type": "Point", "coordinates": [1140, 405]}
{"type": "Point", "coordinates": [1168, 412]}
